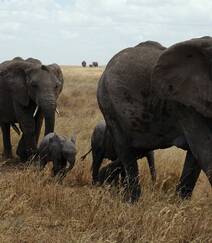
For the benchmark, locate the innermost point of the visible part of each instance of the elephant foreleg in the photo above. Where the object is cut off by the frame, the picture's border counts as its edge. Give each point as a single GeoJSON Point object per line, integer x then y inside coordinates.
{"type": "Point", "coordinates": [7, 152]}
{"type": "Point", "coordinates": [198, 133]}
{"type": "Point", "coordinates": [27, 145]}
{"type": "Point", "coordinates": [190, 174]}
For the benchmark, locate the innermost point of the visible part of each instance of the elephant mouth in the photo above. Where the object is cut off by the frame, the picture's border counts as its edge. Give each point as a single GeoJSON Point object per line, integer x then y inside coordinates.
{"type": "Point", "coordinates": [62, 173]}
{"type": "Point", "coordinates": [37, 108]}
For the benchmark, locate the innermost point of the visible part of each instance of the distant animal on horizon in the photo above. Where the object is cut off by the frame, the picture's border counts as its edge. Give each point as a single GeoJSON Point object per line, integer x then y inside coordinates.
{"type": "Point", "coordinates": [84, 63]}
{"type": "Point", "coordinates": [102, 148]}
{"type": "Point", "coordinates": [28, 93]}
{"type": "Point", "coordinates": [95, 64]}
{"type": "Point", "coordinates": [90, 65]}
{"type": "Point", "coordinates": [60, 150]}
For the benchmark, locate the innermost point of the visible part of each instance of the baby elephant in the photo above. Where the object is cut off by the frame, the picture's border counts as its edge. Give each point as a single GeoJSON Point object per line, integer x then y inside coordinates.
{"type": "Point", "coordinates": [110, 174]}
{"type": "Point", "coordinates": [60, 150]}
{"type": "Point", "coordinates": [102, 148]}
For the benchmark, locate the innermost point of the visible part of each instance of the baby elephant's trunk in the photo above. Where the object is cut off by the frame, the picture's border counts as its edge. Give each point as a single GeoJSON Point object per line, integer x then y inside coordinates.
{"type": "Point", "coordinates": [62, 174]}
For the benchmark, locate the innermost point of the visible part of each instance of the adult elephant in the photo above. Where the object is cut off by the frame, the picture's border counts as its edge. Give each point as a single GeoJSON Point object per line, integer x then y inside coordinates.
{"type": "Point", "coordinates": [28, 92]}
{"type": "Point", "coordinates": [152, 98]}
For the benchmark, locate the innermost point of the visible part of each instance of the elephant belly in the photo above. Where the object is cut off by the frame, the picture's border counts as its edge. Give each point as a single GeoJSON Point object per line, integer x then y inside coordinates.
{"type": "Point", "coordinates": [156, 138]}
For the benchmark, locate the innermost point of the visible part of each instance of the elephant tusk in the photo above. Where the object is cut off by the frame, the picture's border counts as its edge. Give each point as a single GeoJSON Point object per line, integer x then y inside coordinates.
{"type": "Point", "coordinates": [57, 111]}
{"type": "Point", "coordinates": [68, 165]}
{"type": "Point", "coordinates": [16, 129]}
{"type": "Point", "coordinates": [36, 110]}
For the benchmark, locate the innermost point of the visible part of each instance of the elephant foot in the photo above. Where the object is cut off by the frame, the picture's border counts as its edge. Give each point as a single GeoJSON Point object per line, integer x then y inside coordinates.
{"type": "Point", "coordinates": [132, 194]}
{"type": "Point", "coordinates": [23, 156]}
{"type": "Point", "coordinates": [26, 156]}
{"type": "Point", "coordinates": [7, 154]}
{"type": "Point", "coordinates": [184, 192]}
{"type": "Point", "coordinates": [95, 180]}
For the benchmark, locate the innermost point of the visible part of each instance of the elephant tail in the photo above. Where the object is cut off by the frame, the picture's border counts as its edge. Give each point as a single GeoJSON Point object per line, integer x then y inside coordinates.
{"type": "Point", "coordinates": [84, 156]}
{"type": "Point", "coordinates": [16, 129]}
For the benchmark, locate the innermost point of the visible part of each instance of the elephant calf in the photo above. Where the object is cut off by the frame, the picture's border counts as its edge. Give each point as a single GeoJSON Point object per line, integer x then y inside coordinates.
{"type": "Point", "coordinates": [102, 148]}
{"type": "Point", "coordinates": [59, 150]}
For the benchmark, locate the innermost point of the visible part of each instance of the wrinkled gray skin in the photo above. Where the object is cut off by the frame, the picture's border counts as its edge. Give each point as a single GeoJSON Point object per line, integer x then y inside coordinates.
{"type": "Point", "coordinates": [60, 150]}
{"type": "Point", "coordinates": [152, 98]}
{"type": "Point", "coordinates": [24, 84]}
{"type": "Point", "coordinates": [102, 148]}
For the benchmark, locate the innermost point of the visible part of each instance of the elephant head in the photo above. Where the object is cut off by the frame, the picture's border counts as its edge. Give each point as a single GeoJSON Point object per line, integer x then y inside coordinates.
{"type": "Point", "coordinates": [33, 60]}
{"type": "Point", "coordinates": [44, 85]}
{"type": "Point", "coordinates": [183, 74]}
{"type": "Point", "coordinates": [37, 86]}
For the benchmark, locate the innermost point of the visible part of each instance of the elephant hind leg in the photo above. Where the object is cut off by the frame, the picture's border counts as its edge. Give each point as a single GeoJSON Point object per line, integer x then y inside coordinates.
{"type": "Point", "coordinates": [98, 157]}
{"type": "Point", "coordinates": [130, 173]}
{"type": "Point", "coordinates": [7, 153]}
{"type": "Point", "coordinates": [132, 189]}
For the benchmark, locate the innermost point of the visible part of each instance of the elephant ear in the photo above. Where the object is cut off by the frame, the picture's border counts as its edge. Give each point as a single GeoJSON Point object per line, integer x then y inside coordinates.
{"type": "Point", "coordinates": [56, 70]}
{"type": "Point", "coordinates": [18, 75]}
{"type": "Point", "coordinates": [183, 74]}
{"type": "Point", "coordinates": [18, 84]}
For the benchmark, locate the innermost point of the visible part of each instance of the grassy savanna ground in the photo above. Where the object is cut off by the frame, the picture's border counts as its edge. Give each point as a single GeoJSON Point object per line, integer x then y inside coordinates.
{"type": "Point", "coordinates": [33, 208]}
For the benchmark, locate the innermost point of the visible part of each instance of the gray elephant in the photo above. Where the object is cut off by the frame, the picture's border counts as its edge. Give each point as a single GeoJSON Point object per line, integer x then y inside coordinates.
{"type": "Point", "coordinates": [28, 92]}
{"type": "Point", "coordinates": [95, 64]}
{"type": "Point", "coordinates": [102, 148]}
{"type": "Point", "coordinates": [60, 150]}
{"type": "Point", "coordinates": [154, 97]}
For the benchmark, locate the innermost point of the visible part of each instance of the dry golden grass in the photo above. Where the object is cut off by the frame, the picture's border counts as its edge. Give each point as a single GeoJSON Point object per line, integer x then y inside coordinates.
{"type": "Point", "coordinates": [35, 209]}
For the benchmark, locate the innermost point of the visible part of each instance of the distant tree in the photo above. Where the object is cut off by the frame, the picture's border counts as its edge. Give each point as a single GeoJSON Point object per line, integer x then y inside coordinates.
{"type": "Point", "coordinates": [90, 65]}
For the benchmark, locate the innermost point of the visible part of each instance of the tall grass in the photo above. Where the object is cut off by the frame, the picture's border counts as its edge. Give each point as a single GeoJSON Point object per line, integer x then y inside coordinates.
{"type": "Point", "coordinates": [33, 208]}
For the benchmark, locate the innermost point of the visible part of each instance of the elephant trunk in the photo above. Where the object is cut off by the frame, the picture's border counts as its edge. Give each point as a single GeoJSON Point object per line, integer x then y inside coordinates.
{"type": "Point", "coordinates": [49, 123]}
{"type": "Point", "coordinates": [48, 108]}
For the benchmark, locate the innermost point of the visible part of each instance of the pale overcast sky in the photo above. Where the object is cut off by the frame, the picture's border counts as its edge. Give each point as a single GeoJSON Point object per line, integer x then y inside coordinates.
{"type": "Point", "coordinates": [68, 31]}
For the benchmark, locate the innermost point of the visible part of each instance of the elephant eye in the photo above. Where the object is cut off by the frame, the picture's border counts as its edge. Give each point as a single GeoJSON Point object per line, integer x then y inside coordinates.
{"type": "Point", "coordinates": [57, 85]}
